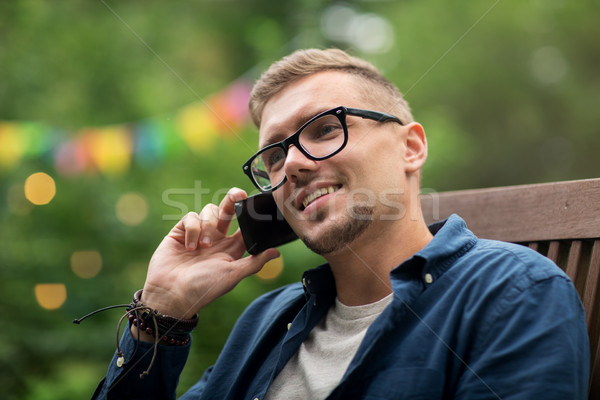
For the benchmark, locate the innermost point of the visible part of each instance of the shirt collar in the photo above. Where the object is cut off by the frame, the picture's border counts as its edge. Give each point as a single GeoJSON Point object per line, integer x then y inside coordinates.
{"type": "Point", "coordinates": [319, 281]}
{"type": "Point", "coordinates": [451, 240]}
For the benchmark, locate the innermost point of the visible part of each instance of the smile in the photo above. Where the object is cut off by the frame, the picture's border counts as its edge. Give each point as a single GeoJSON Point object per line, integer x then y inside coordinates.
{"type": "Point", "coordinates": [318, 193]}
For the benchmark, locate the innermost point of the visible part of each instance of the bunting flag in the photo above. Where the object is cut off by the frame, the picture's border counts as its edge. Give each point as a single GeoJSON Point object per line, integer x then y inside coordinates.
{"type": "Point", "coordinates": [111, 150]}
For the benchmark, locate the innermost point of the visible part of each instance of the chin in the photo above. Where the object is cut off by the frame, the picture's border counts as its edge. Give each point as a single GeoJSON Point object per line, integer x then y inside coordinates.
{"type": "Point", "coordinates": [341, 234]}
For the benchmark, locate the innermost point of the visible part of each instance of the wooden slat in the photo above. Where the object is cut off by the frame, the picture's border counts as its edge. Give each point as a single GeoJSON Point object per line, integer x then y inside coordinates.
{"type": "Point", "coordinates": [581, 274]}
{"type": "Point", "coordinates": [524, 213]}
{"type": "Point", "coordinates": [573, 264]}
{"type": "Point", "coordinates": [590, 296]}
{"type": "Point", "coordinates": [553, 251]}
{"type": "Point", "coordinates": [534, 246]}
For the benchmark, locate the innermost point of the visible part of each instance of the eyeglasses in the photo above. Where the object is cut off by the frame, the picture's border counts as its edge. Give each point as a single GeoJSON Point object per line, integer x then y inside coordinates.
{"type": "Point", "coordinates": [323, 136]}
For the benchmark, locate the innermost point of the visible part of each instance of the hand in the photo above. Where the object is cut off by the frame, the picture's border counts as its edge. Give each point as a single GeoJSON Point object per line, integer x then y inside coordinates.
{"type": "Point", "coordinates": [197, 262]}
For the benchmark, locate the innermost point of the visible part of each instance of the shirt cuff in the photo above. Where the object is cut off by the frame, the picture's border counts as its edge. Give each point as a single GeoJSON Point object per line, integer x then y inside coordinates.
{"type": "Point", "coordinates": [161, 381]}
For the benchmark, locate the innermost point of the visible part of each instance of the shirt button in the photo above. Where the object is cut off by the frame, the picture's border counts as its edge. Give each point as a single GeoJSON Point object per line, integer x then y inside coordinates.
{"type": "Point", "coordinates": [289, 326]}
{"type": "Point", "coordinates": [428, 278]}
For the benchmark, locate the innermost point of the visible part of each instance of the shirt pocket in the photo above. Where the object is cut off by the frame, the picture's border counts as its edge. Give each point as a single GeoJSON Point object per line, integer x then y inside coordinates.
{"type": "Point", "coordinates": [405, 383]}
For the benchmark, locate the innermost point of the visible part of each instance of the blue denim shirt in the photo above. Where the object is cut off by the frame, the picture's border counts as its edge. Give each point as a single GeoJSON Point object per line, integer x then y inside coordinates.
{"type": "Point", "coordinates": [470, 319]}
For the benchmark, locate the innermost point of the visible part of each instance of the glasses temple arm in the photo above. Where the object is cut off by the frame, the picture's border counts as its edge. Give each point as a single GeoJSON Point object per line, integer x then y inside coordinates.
{"type": "Point", "coordinates": [374, 115]}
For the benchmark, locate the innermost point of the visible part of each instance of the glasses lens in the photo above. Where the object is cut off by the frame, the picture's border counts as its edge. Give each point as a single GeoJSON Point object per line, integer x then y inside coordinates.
{"type": "Point", "coordinates": [323, 136]}
{"type": "Point", "coordinates": [267, 167]}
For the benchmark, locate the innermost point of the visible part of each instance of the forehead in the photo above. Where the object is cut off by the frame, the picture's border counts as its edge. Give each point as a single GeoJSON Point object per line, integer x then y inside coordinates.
{"type": "Point", "coordinates": [287, 110]}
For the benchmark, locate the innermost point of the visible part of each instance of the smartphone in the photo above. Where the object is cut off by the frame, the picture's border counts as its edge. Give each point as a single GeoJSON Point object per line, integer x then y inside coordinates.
{"type": "Point", "coordinates": [262, 224]}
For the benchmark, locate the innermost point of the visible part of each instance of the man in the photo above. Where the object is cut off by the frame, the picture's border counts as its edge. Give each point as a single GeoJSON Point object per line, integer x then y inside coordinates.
{"type": "Point", "coordinates": [400, 311]}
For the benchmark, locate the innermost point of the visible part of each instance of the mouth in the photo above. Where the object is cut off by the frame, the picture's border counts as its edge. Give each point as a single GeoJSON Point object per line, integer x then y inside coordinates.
{"type": "Point", "coordinates": [315, 194]}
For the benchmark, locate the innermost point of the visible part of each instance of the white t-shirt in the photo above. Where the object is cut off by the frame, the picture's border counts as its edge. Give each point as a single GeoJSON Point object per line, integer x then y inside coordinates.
{"type": "Point", "coordinates": [320, 362]}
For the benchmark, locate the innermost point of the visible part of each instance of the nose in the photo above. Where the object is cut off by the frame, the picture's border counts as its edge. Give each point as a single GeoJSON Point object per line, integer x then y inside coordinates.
{"type": "Point", "coordinates": [297, 164]}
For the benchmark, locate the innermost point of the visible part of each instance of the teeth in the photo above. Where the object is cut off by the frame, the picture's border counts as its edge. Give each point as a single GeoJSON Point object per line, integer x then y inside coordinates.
{"type": "Point", "coordinates": [317, 193]}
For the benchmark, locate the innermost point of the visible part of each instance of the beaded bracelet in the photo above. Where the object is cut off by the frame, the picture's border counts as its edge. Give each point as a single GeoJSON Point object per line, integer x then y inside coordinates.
{"type": "Point", "coordinates": [167, 330]}
{"type": "Point", "coordinates": [168, 327]}
{"type": "Point", "coordinates": [171, 339]}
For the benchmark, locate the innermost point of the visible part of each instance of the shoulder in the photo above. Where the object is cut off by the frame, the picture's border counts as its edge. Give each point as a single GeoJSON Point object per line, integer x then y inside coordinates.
{"type": "Point", "coordinates": [505, 277]}
{"type": "Point", "coordinates": [497, 277]}
{"type": "Point", "coordinates": [457, 251]}
{"type": "Point", "coordinates": [508, 262]}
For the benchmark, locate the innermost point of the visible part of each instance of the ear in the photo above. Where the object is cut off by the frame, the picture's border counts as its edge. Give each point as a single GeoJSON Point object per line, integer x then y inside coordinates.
{"type": "Point", "coordinates": [416, 147]}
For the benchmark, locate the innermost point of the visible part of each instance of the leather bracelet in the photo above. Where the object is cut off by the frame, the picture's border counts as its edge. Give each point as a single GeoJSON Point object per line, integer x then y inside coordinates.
{"type": "Point", "coordinates": [166, 329]}
{"type": "Point", "coordinates": [170, 338]}
{"type": "Point", "coordinates": [170, 329]}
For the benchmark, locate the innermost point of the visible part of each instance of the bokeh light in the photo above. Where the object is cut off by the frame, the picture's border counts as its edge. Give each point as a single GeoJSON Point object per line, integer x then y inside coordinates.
{"type": "Point", "coordinates": [271, 270]}
{"type": "Point", "coordinates": [40, 188]}
{"type": "Point", "coordinates": [132, 209]}
{"type": "Point", "coordinates": [86, 264]}
{"type": "Point", "coordinates": [336, 22]}
{"type": "Point", "coordinates": [372, 34]}
{"type": "Point", "coordinates": [368, 32]}
{"type": "Point", "coordinates": [548, 65]}
{"type": "Point", "coordinates": [50, 295]}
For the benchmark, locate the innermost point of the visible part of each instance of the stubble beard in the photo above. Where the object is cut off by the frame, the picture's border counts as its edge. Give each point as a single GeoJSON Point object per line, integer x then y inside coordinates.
{"type": "Point", "coordinates": [342, 233]}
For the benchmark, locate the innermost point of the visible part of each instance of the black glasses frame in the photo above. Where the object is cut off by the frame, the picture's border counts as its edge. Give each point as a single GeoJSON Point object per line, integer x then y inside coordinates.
{"type": "Point", "coordinates": [340, 112]}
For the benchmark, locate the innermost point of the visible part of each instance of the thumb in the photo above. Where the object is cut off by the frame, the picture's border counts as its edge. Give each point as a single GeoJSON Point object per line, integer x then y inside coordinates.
{"type": "Point", "coordinates": [252, 264]}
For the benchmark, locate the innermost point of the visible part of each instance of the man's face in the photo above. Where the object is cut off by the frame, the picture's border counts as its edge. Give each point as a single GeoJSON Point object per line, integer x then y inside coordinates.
{"type": "Point", "coordinates": [333, 202]}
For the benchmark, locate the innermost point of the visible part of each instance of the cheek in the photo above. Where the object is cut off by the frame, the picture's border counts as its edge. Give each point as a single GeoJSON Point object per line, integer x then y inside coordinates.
{"type": "Point", "coordinates": [382, 172]}
{"type": "Point", "coordinates": [283, 200]}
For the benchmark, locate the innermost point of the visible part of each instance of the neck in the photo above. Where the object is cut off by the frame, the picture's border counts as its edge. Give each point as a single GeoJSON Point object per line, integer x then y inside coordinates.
{"type": "Point", "coordinates": [361, 269]}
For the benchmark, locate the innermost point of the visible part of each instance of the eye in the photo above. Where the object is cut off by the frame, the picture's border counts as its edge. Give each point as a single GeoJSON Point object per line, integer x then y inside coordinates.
{"type": "Point", "coordinates": [273, 159]}
{"type": "Point", "coordinates": [322, 129]}
{"type": "Point", "coordinates": [328, 129]}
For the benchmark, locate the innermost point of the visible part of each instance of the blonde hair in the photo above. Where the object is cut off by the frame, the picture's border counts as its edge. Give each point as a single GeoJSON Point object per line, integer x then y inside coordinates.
{"type": "Point", "coordinates": [303, 63]}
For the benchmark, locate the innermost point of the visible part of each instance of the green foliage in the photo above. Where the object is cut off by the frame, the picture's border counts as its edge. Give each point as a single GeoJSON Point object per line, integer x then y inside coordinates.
{"type": "Point", "coordinates": [72, 380]}
{"type": "Point", "coordinates": [506, 90]}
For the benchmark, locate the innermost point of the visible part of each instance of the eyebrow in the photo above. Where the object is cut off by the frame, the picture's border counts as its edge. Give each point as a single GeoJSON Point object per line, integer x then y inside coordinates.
{"type": "Point", "coordinates": [275, 138]}
{"type": "Point", "coordinates": [299, 120]}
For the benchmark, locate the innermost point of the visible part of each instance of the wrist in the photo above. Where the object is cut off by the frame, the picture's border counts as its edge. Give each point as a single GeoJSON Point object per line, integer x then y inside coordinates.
{"type": "Point", "coordinates": [151, 325]}
{"type": "Point", "coordinates": [141, 335]}
{"type": "Point", "coordinates": [164, 305]}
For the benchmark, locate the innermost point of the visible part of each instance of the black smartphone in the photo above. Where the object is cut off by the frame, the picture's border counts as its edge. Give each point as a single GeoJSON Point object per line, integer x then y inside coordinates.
{"type": "Point", "coordinates": [262, 224]}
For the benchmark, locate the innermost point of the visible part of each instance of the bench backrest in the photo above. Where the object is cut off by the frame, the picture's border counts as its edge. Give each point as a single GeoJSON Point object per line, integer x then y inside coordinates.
{"type": "Point", "coordinates": [560, 220]}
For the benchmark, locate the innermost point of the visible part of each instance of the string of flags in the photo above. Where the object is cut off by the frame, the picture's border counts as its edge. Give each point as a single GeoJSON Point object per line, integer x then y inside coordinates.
{"type": "Point", "coordinates": [111, 150]}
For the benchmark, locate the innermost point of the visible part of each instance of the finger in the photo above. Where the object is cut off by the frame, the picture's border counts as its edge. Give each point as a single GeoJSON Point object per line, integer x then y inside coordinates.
{"type": "Point", "coordinates": [190, 225]}
{"type": "Point", "coordinates": [232, 245]}
{"type": "Point", "coordinates": [238, 247]}
{"type": "Point", "coordinates": [227, 208]}
{"type": "Point", "coordinates": [209, 217]}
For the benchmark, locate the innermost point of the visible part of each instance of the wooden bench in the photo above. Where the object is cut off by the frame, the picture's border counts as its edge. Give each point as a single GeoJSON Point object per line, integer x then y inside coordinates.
{"type": "Point", "coordinates": [559, 220]}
